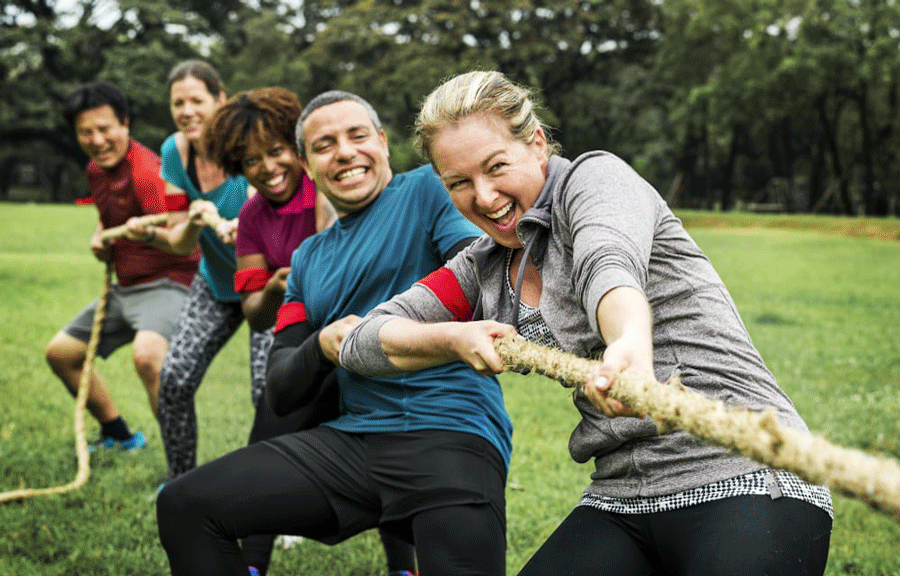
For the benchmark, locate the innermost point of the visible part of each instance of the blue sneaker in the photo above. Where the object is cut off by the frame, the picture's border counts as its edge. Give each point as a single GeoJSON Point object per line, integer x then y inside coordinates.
{"type": "Point", "coordinates": [254, 571]}
{"type": "Point", "coordinates": [136, 442]}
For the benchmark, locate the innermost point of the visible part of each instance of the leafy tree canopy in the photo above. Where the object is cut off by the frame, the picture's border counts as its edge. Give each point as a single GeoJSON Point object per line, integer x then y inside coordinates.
{"type": "Point", "coordinates": [787, 103]}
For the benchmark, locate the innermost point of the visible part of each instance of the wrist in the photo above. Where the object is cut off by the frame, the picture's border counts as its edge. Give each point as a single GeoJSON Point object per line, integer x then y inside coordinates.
{"type": "Point", "coordinates": [452, 341]}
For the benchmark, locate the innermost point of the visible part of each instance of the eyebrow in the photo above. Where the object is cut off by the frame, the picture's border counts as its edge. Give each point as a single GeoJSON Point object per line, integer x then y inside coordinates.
{"type": "Point", "coordinates": [359, 128]}
{"type": "Point", "coordinates": [483, 165]}
{"type": "Point", "coordinates": [350, 130]}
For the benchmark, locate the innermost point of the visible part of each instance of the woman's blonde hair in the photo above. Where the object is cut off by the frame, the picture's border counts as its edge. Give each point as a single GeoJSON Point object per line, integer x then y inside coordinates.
{"type": "Point", "coordinates": [481, 92]}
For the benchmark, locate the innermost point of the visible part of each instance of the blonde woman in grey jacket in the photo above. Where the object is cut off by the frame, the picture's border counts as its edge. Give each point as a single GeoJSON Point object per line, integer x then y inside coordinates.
{"type": "Point", "coordinates": [585, 256]}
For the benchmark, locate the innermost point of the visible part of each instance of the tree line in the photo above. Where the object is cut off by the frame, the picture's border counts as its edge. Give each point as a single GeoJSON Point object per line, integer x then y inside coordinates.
{"type": "Point", "coordinates": [787, 105]}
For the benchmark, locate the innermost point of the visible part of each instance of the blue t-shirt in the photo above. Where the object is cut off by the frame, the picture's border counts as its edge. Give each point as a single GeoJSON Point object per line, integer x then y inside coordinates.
{"type": "Point", "coordinates": [218, 265]}
{"type": "Point", "coordinates": [364, 259]}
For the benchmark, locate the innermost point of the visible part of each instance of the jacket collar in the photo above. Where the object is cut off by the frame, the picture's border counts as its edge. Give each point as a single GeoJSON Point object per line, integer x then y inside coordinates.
{"type": "Point", "coordinates": [539, 213]}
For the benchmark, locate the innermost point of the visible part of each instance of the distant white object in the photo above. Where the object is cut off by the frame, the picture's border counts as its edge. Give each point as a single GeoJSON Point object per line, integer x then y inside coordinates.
{"type": "Point", "coordinates": [286, 541]}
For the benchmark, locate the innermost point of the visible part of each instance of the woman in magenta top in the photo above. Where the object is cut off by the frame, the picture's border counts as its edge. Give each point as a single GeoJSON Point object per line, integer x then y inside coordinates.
{"type": "Point", "coordinates": [268, 232]}
{"type": "Point", "coordinates": [253, 135]}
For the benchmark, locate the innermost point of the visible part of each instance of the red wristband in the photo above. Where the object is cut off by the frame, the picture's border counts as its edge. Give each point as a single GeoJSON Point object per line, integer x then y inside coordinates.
{"type": "Point", "coordinates": [290, 313]}
{"type": "Point", "coordinates": [177, 202]}
{"type": "Point", "coordinates": [251, 279]}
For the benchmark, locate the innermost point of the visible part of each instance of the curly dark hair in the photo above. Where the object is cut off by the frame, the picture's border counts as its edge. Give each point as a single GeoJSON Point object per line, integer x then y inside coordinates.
{"type": "Point", "coordinates": [253, 116]}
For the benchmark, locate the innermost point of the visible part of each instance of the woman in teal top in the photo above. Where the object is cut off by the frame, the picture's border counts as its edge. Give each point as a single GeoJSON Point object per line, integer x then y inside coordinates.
{"type": "Point", "coordinates": [217, 264]}
{"type": "Point", "coordinates": [212, 312]}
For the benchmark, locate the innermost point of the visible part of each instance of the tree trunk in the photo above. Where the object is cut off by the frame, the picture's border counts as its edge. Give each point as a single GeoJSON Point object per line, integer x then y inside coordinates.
{"type": "Point", "coordinates": [815, 175]}
{"type": "Point", "coordinates": [828, 128]}
{"type": "Point", "coordinates": [868, 151]}
{"type": "Point", "coordinates": [728, 176]}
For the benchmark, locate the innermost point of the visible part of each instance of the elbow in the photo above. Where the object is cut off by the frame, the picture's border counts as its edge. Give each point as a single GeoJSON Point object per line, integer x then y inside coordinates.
{"type": "Point", "coordinates": [259, 318]}
{"type": "Point", "coordinates": [284, 400]}
{"type": "Point", "coordinates": [256, 323]}
{"type": "Point", "coordinates": [363, 352]}
{"type": "Point", "coordinates": [261, 313]}
{"type": "Point", "coordinates": [275, 395]}
{"type": "Point", "coordinates": [279, 384]}
{"type": "Point", "coordinates": [277, 403]}
{"type": "Point", "coordinates": [348, 357]}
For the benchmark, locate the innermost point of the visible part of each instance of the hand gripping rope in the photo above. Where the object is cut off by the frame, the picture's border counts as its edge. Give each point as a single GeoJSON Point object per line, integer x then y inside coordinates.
{"type": "Point", "coordinates": [87, 370]}
{"type": "Point", "coordinates": [211, 220]}
{"type": "Point", "coordinates": [116, 232]}
{"type": "Point", "coordinates": [757, 435]}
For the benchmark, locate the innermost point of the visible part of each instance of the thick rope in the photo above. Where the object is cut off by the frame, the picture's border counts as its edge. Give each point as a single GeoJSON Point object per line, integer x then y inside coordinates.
{"type": "Point", "coordinates": [117, 232]}
{"type": "Point", "coordinates": [211, 220]}
{"type": "Point", "coordinates": [87, 370]}
{"type": "Point", "coordinates": [757, 435]}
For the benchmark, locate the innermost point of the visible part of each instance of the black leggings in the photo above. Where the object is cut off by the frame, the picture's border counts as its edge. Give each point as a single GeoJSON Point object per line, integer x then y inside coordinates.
{"type": "Point", "coordinates": [255, 490]}
{"type": "Point", "coordinates": [257, 548]}
{"type": "Point", "coordinates": [744, 535]}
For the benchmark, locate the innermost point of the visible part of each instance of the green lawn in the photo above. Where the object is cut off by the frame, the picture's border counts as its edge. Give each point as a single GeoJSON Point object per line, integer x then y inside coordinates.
{"type": "Point", "coordinates": [822, 308]}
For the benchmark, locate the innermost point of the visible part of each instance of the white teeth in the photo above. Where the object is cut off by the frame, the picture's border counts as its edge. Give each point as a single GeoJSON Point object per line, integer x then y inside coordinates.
{"type": "Point", "coordinates": [351, 173]}
{"type": "Point", "coordinates": [500, 213]}
{"type": "Point", "coordinates": [275, 181]}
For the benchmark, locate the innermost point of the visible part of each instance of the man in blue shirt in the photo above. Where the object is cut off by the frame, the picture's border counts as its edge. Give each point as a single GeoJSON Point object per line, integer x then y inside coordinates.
{"type": "Point", "coordinates": [423, 455]}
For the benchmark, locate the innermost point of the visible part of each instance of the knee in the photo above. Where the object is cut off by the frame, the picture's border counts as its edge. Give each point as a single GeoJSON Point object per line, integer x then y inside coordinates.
{"type": "Point", "coordinates": [178, 506]}
{"type": "Point", "coordinates": [54, 356]}
{"type": "Point", "coordinates": [62, 355]}
{"type": "Point", "coordinates": [445, 543]}
{"type": "Point", "coordinates": [172, 519]}
{"type": "Point", "coordinates": [148, 364]}
{"type": "Point", "coordinates": [167, 505]}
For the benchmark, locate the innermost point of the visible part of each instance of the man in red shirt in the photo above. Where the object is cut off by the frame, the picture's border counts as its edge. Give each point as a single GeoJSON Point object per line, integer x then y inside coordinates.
{"type": "Point", "coordinates": [125, 183]}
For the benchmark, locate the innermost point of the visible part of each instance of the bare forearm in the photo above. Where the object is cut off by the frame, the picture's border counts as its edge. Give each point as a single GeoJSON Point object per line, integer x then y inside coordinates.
{"type": "Point", "coordinates": [626, 324]}
{"type": "Point", "coordinates": [624, 314]}
{"type": "Point", "coordinates": [411, 345]}
{"type": "Point", "coordinates": [182, 237]}
{"type": "Point", "coordinates": [163, 239]}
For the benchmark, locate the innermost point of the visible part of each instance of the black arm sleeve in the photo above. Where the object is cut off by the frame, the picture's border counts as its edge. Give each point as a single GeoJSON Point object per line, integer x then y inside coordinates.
{"type": "Point", "coordinates": [297, 367]}
{"type": "Point", "coordinates": [458, 247]}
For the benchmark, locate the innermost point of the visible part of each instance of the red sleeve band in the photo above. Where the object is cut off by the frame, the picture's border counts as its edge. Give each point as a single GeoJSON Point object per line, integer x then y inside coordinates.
{"type": "Point", "coordinates": [446, 287]}
{"type": "Point", "coordinates": [251, 279]}
{"type": "Point", "coordinates": [177, 202]}
{"type": "Point", "coordinates": [290, 313]}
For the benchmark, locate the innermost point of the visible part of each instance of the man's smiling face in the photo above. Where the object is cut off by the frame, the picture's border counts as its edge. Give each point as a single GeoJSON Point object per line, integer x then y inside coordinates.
{"type": "Point", "coordinates": [346, 156]}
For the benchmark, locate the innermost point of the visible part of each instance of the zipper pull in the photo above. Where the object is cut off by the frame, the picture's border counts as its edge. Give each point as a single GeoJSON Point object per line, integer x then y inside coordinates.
{"type": "Point", "coordinates": [772, 485]}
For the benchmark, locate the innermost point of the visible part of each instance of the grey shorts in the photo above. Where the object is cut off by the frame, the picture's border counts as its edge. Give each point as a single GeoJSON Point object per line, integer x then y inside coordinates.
{"type": "Point", "coordinates": [151, 306]}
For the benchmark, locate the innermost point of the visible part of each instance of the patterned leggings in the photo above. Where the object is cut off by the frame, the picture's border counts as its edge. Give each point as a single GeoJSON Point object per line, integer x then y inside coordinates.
{"type": "Point", "coordinates": [204, 327]}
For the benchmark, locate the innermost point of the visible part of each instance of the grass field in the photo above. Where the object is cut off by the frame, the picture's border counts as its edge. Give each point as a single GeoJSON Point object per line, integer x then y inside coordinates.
{"type": "Point", "coordinates": [819, 296]}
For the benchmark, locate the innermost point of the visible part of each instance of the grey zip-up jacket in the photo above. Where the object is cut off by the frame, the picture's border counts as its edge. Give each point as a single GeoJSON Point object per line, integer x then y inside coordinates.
{"type": "Point", "coordinates": [597, 225]}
